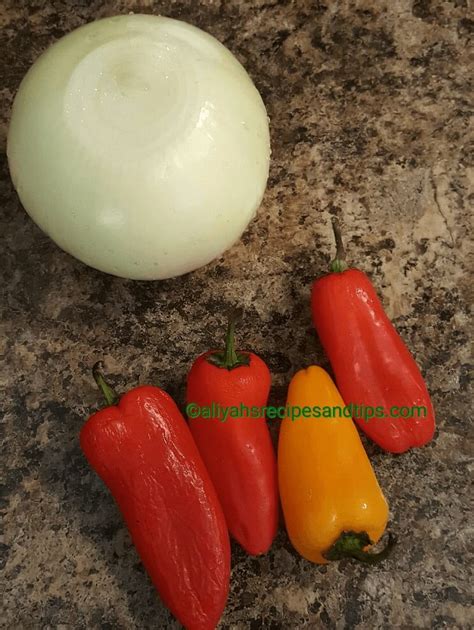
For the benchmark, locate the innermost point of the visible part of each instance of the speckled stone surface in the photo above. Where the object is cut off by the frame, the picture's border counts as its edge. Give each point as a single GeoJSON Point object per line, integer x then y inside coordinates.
{"type": "Point", "coordinates": [369, 107]}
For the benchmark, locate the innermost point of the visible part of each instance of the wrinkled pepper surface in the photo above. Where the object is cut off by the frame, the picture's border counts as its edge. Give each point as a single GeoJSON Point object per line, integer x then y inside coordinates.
{"type": "Point", "coordinates": [332, 503]}
{"type": "Point", "coordinates": [238, 452]}
{"type": "Point", "coordinates": [142, 449]}
{"type": "Point", "coordinates": [372, 365]}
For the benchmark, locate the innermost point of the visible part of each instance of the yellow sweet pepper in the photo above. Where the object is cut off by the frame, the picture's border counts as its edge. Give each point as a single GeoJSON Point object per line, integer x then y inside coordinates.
{"type": "Point", "coordinates": [332, 503]}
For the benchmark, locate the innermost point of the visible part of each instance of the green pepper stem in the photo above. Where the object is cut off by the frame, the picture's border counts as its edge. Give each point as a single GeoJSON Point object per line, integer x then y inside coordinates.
{"type": "Point", "coordinates": [229, 358]}
{"type": "Point", "coordinates": [352, 545]}
{"type": "Point", "coordinates": [339, 263]}
{"type": "Point", "coordinates": [230, 353]}
{"type": "Point", "coordinates": [110, 395]}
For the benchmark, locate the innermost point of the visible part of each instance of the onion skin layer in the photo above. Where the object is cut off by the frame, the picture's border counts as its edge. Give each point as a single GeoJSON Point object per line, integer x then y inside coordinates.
{"type": "Point", "coordinates": [140, 145]}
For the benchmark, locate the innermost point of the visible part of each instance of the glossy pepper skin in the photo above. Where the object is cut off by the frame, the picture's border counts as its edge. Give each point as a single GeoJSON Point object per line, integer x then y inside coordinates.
{"type": "Point", "coordinates": [238, 452]}
{"type": "Point", "coordinates": [144, 452]}
{"type": "Point", "coordinates": [372, 365]}
{"type": "Point", "coordinates": [332, 503]}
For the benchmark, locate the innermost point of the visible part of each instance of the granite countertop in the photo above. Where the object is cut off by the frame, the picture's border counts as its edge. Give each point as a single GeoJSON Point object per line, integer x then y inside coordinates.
{"type": "Point", "coordinates": [369, 108]}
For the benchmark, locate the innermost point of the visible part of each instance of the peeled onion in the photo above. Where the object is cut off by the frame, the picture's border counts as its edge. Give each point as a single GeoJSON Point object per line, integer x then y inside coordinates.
{"type": "Point", "coordinates": [140, 145]}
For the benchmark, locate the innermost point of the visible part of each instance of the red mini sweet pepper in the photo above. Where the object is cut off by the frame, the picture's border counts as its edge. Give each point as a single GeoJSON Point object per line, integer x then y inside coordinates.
{"type": "Point", "coordinates": [372, 365]}
{"type": "Point", "coordinates": [238, 452]}
{"type": "Point", "coordinates": [141, 447]}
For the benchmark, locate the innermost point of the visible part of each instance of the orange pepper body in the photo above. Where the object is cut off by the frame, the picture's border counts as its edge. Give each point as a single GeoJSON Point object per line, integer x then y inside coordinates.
{"type": "Point", "coordinates": [327, 484]}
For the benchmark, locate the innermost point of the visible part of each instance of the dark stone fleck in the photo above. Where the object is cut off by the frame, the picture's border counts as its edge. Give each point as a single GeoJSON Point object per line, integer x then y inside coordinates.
{"type": "Point", "coordinates": [422, 8]}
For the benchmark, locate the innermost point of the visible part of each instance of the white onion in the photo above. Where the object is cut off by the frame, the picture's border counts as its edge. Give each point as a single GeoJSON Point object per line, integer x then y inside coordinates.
{"type": "Point", "coordinates": [140, 145]}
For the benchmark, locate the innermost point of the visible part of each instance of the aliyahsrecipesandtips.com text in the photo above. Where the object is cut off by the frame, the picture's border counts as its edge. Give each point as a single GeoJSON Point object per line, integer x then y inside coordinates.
{"type": "Point", "coordinates": [295, 412]}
